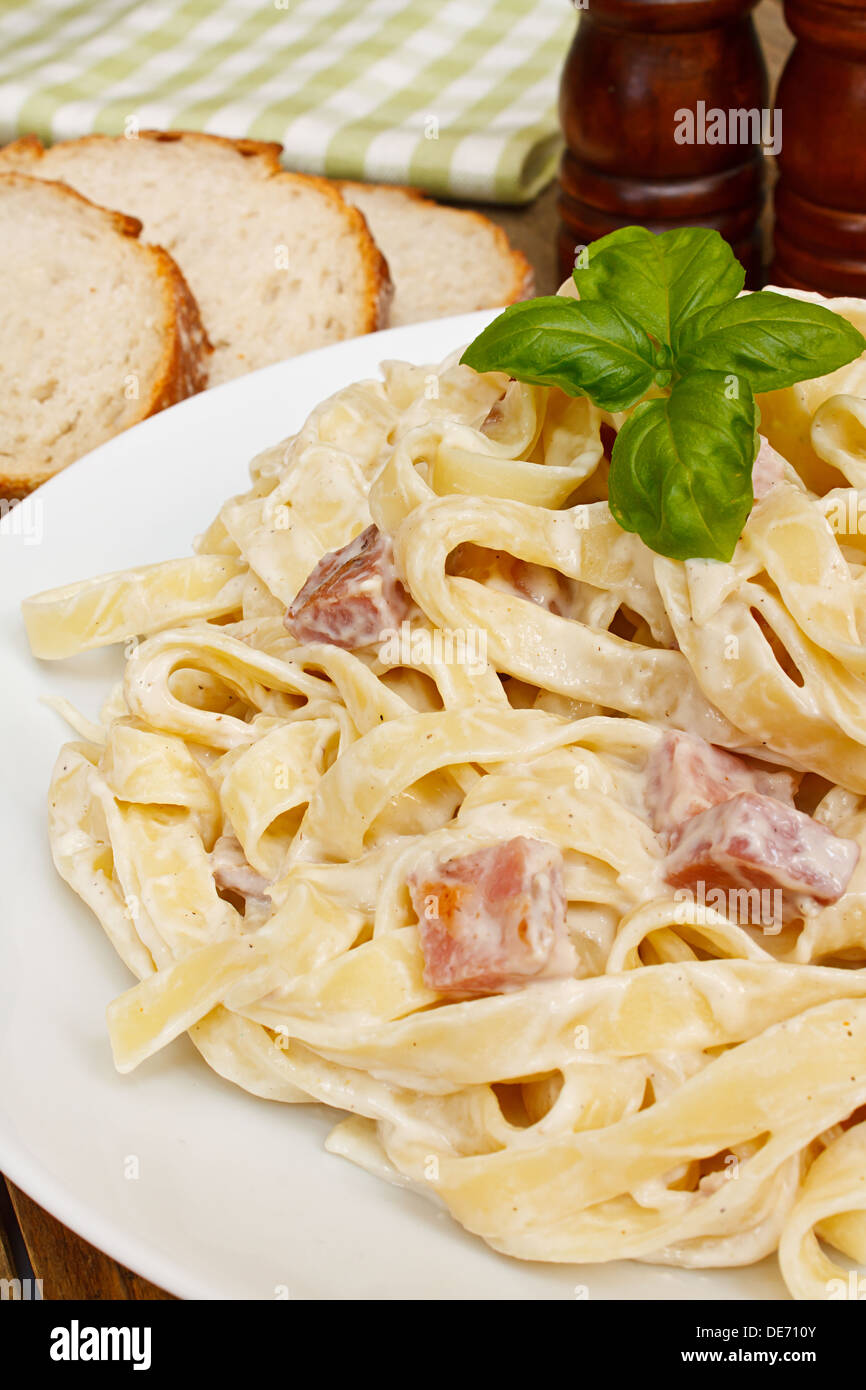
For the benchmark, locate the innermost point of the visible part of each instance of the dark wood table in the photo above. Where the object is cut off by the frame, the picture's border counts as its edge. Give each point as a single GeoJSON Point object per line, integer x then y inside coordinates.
{"type": "Point", "coordinates": [32, 1243]}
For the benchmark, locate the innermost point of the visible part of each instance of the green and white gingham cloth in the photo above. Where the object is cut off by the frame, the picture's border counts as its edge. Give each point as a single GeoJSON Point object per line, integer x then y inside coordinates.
{"type": "Point", "coordinates": [454, 96]}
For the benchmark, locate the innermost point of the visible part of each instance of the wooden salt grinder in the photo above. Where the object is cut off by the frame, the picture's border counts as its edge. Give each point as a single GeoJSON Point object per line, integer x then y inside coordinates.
{"type": "Point", "coordinates": [820, 233]}
{"type": "Point", "coordinates": [632, 66]}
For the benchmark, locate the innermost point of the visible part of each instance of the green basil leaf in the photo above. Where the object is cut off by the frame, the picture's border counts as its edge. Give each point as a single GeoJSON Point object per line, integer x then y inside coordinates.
{"type": "Point", "coordinates": [660, 281]}
{"type": "Point", "coordinates": [585, 349]}
{"type": "Point", "coordinates": [769, 339]}
{"type": "Point", "coordinates": [681, 469]}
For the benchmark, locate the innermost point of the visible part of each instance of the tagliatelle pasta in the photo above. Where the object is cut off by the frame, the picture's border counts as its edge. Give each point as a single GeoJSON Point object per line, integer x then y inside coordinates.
{"type": "Point", "coordinates": [685, 1087]}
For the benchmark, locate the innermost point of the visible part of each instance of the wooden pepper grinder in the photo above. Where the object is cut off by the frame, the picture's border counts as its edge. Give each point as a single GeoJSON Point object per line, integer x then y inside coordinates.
{"type": "Point", "coordinates": [634, 68]}
{"type": "Point", "coordinates": [820, 235]}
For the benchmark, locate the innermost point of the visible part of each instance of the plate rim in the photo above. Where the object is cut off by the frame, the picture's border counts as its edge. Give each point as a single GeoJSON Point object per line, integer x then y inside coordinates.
{"type": "Point", "coordinates": [26, 1168]}
{"type": "Point", "coordinates": [23, 1168]}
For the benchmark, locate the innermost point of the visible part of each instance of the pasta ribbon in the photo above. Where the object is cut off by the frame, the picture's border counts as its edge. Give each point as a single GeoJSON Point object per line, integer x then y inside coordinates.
{"type": "Point", "coordinates": [247, 816]}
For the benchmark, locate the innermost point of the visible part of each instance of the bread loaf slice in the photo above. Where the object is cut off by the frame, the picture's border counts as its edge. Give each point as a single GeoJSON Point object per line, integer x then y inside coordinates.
{"type": "Point", "coordinates": [278, 262]}
{"type": "Point", "coordinates": [442, 260]}
{"type": "Point", "coordinates": [97, 330]}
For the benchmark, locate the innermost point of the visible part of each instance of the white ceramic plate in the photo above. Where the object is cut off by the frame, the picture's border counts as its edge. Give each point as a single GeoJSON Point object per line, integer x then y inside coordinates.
{"type": "Point", "coordinates": [235, 1197]}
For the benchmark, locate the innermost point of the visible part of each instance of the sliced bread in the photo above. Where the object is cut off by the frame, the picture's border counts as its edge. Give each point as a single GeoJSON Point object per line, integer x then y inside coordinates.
{"type": "Point", "coordinates": [442, 260]}
{"type": "Point", "coordinates": [97, 330]}
{"type": "Point", "coordinates": [278, 262]}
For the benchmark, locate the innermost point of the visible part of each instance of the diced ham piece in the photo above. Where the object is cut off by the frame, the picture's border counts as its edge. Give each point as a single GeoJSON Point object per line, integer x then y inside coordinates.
{"type": "Point", "coordinates": [686, 775]}
{"type": "Point", "coordinates": [754, 841]}
{"type": "Point", "coordinates": [767, 470]}
{"type": "Point", "coordinates": [491, 919]}
{"type": "Point", "coordinates": [234, 874]}
{"type": "Point", "coordinates": [352, 596]}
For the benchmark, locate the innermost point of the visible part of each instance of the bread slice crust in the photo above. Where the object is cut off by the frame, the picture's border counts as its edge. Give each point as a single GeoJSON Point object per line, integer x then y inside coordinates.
{"type": "Point", "coordinates": [520, 283]}
{"type": "Point", "coordinates": [28, 154]}
{"type": "Point", "coordinates": [182, 368]}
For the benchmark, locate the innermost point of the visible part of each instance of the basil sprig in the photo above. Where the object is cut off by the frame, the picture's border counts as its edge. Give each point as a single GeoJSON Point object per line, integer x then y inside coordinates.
{"type": "Point", "coordinates": [769, 339]}
{"type": "Point", "coordinates": [661, 280]}
{"type": "Point", "coordinates": [661, 314]}
{"type": "Point", "coordinates": [600, 352]}
{"type": "Point", "coordinates": [681, 469]}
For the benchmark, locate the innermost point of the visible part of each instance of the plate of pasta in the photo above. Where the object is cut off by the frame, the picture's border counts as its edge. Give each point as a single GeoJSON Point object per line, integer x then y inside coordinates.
{"type": "Point", "coordinates": [474, 815]}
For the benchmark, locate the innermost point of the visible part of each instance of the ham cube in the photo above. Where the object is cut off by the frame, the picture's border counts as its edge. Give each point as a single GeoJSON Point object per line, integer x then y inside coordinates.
{"type": "Point", "coordinates": [352, 596]}
{"type": "Point", "coordinates": [491, 919]}
{"type": "Point", "coordinates": [686, 775]}
{"type": "Point", "coordinates": [767, 470]}
{"type": "Point", "coordinates": [756, 842]}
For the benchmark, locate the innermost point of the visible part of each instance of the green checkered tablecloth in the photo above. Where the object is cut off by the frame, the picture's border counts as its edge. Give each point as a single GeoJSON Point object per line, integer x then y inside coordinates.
{"type": "Point", "coordinates": [454, 96]}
